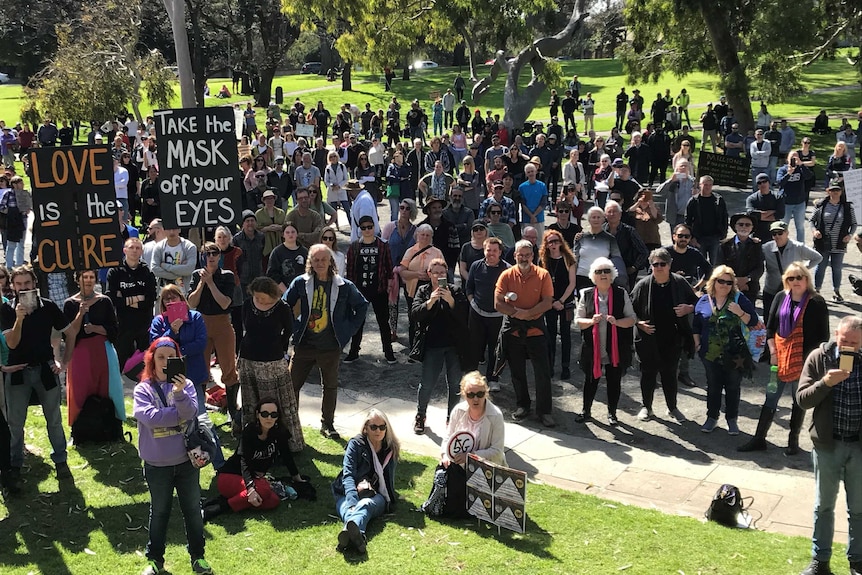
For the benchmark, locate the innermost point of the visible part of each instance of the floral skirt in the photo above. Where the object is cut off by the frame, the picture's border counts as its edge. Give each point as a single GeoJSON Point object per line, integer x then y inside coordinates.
{"type": "Point", "coordinates": [270, 379]}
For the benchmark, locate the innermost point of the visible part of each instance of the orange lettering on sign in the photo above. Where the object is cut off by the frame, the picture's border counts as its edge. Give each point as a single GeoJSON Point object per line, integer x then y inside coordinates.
{"type": "Point", "coordinates": [48, 245]}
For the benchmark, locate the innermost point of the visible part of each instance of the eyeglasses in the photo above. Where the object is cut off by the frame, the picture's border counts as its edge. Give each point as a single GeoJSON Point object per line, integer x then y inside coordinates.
{"type": "Point", "coordinates": [364, 228]}
{"type": "Point", "coordinates": [659, 264]}
{"type": "Point", "coordinates": [375, 427]}
{"type": "Point", "coordinates": [552, 242]}
{"type": "Point", "coordinates": [269, 414]}
{"type": "Point", "coordinates": [404, 208]}
{"type": "Point", "coordinates": [795, 278]}
{"type": "Point", "coordinates": [778, 233]}
{"type": "Point", "coordinates": [724, 282]}
{"type": "Point", "coordinates": [743, 225]}
{"type": "Point", "coordinates": [604, 271]}
{"type": "Point", "coordinates": [475, 394]}
{"type": "Point", "coordinates": [684, 236]}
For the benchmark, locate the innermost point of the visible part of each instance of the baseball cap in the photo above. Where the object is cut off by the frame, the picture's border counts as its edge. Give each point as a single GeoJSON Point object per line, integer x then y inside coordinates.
{"type": "Point", "coordinates": [618, 163]}
{"type": "Point", "coordinates": [776, 226]}
{"type": "Point", "coordinates": [761, 177]}
{"type": "Point", "coordinates": [246, 214]}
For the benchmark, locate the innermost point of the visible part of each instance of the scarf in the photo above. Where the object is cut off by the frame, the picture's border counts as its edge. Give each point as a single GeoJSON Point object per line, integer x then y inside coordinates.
{"type": "Point", "coordinates": [786, 319]}
{"type": "Point", "coordinates": [378, 469]}
{"type": "Point", "coordinates": [597, 346]}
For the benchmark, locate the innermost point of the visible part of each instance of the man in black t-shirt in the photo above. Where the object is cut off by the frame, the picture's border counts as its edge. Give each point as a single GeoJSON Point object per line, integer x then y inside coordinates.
{"type": "Point", "coordinates": [27, 322]}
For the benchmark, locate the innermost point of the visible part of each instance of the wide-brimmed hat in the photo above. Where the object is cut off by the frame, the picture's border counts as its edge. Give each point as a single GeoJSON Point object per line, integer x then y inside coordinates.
{"type": "Point", "coordinates": [753, 216]}
{"type": "Point", "coordinates": [536, 161]}
{"type": "Point", "coordinates": [354, 186]}
{"type": "Point", "coordinates": [427, 206]}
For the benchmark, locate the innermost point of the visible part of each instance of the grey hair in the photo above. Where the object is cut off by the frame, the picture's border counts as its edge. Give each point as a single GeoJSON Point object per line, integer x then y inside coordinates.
{"type": "Point", "coordinates": [850, 322]}
{"type": "Point", "coordinates": [660, 255]}
{"type": "Point", "coordinates": [613, 204]}
{"type": "Point", "coordinates": [414, 211]}
{"type": "Point", "coordinates": [222, 229]}
{"type": "Point", "coordinates": [604, 262]}
{"type": "Point", "coordinates": [523, 244]}
{"type": "Point", "coordinates": [425, 228]}
{"type": "Point", "coordinates": [595, 210]}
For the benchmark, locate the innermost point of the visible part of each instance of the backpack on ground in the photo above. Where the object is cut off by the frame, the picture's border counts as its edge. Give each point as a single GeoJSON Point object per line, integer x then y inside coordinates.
{"type": "Point", "coordinates": [97, 422]}
{"type": "Point", "coordinates": [726, 507]}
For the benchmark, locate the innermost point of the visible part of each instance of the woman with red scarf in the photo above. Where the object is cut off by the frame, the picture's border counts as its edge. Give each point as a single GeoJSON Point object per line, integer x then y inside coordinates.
{"type": "Point", "coordinates": [797, 323]}
{"type": "Point", "coordinates": [606, 318]}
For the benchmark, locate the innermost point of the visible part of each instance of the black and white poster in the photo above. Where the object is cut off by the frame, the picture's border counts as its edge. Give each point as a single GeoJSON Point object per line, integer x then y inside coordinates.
{"type": "Point", "coordinates": [496, 494]}
{"type": "Point", "coordinates": [198, 167]}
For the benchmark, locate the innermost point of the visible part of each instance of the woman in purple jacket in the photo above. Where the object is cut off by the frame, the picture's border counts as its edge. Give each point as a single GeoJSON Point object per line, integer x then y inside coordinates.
{"type": "Point", "coordinates": [161, 446]}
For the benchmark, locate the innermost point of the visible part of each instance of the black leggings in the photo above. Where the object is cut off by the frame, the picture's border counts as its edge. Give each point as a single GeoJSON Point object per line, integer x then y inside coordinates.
{"type": "Point", "coordinates": [614, 376]}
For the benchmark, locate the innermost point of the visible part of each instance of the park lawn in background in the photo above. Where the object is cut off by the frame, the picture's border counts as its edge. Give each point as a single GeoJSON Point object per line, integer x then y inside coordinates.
{"type": "Point", "coordinates": [98, 526]}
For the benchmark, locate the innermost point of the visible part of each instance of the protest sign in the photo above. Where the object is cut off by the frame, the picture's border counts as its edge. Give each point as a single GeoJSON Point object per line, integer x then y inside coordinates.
{"type": "Point", "coordinates": [304, 130]}
{"type": "Point", "coordinates": [75, 206]}
{"type": "Point", "coordinates": [496, 494]}
{"type": "Point", "coordinates": [199, 170]}
{"type": "Point", "coordinates": [853, 188]}
{"type": "Point", "coordinates": [725, 170]}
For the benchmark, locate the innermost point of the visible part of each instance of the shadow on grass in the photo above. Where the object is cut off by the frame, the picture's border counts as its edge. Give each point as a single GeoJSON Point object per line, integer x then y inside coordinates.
{"type": "Point", "coordinates": [116, 464]}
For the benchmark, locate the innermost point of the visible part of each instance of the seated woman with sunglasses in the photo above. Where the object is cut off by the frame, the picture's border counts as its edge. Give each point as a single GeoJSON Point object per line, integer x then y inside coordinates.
{"type": "Point", "coordinates": [475, 426]}
{"type": "Point", "coordinates": [241, 481]}
{"type": "Point", "coordinates": [365, 487]}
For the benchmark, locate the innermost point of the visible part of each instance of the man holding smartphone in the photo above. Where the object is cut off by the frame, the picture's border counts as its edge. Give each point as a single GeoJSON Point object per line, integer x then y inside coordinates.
{"type": "Point", "coordinates": [32, 368]}
{"type": "Point", "coordinates": [831, 384]}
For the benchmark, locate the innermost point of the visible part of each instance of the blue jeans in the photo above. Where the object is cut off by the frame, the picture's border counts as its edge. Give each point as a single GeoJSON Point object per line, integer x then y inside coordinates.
{"type": "Point", "coordinates": [709, 246]}
{"type": "Point", "coordinates": [719, 379]}
{"type": "Point", "coordinates": [836, 262]}
{"type": "Point", "coordinates": [364, 511]}
{"type": "Point", "coordinates": [432, 366]}
{"type": "Point", "coordinates": [161, 482]}
{"type": "Point", "coordinates": [773, 168]}
{"type": "Point", "coordinates": [797, 212]}
{"type": "Point", "coordinates": [125, 204]}
{"type": "Point", "coordinates": [14, 253]}
{"type": "Point", "coordinates": [17, 401]}
{"type": "Point", "coordinates": [772, 399]}
{"type": "Point", "coordinates": [844, 462]}
{"type": "Point", "coordinates": [438, 126]}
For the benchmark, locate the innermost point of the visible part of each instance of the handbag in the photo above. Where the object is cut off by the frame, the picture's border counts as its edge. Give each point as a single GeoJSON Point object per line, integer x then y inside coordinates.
{"type": "Point", "coordinates": [727, 506]}
{"type": "Point", "coordinates": [755, 337]}
{"type": "Point", "coordinates": [199, 440]}
{"type": "Point", "coordinates": [823, 244]}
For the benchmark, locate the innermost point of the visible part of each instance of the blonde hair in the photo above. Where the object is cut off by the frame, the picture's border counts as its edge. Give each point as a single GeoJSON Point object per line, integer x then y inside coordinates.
{"type": "Point", "coordinates": [390, 440]}
{"type": "Point", "coordinates": [797, 269]}
{"type": "Point", "coordinates": [474, 378]}
{"type": "Point", "coordinates": [717, 272]}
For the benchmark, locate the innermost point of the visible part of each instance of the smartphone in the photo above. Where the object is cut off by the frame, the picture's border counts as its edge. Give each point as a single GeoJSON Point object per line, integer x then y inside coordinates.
{"type": "Point", "coordinates": [648, 195]}
{"type": "Point", "coordinates": [176, 366]}
{"type": "Point", "coordinates": [28, 299]}
{"type": "Point", "coordinates": [443, 283]}
{"type": "Point", "coordinates": [793, 162]}
{"type": "Point", "coordinates": [846, 359]}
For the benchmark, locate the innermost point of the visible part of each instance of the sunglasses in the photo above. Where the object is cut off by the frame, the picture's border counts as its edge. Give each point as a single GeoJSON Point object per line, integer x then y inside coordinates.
{"type": "Point", "coordinates": [495, 212]}
{"type": "Point", "coordinates": [480, 229]}
{"type": "Point", "coordinates": [475, 394]}
{"type": "Point", "coordinates": [659, 264]}
{"type": "Point", "coordinates": [795, 278]}
{"type": "Point", "coordinates": [724, 282]}
{"type": "Point", "coordinates": [685, 236]}
{"type": "Point", "coordinates": [778, 233]}
{"type": "Point", "coordinates": [364, 228]}
{"type": "Point", "coordinates": [328, 238]}
{"type": "Point", "coordinates": [604, 271]}
{"type": "Point", "coordinates": [685, 145]}
{"type": "Point", "coordinates": [375, 427]}
{"type": "Point", "coordinates": [269, 414]}
{"type": "Point", "coordinates": [743, 225]}
{"type": "Point", "coordinates": [213, 253]}
{"type": "Point", "coordinates": [552, 242]}
{"type": "Point", "coordinates": [762, 181]}
{"type": "Point", "coordinates": [564, 211]}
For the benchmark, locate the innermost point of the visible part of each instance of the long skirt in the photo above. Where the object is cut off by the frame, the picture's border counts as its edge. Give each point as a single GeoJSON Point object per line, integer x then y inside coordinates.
{"type": "Point", "coordinates": [270, 378]}
{"type": "Point", "coordinates": [94, 370]}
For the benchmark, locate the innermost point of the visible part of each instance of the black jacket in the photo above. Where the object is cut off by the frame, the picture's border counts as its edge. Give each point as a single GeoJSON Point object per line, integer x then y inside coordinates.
{"type": "Point", "coordinates": [647, 345]}
{"type": "Point", "coordinates": [123, 282]}
{"type": "Point", "coordinates": [455, 319]}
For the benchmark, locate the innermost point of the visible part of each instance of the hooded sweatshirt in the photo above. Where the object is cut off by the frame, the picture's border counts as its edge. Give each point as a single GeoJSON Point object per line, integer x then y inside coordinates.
{"type": "Point", "coordinates": [160, 436]}
{"type": "Point", "coordinates": [124, 282]}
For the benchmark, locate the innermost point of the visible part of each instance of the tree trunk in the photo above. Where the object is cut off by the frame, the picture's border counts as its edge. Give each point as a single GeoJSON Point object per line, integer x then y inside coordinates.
{"type": "Point", "coordinates": [459, 57]}
{"type": "Point", "coordinates": [177, 14]}
{"type": "Point", "coordinates": [327, 56]}
{"type": "Point", "coordinates": [346, 80]}
{"type": "Point", "coordinates": [471, 55]}
{"type": "Point", "coordinates": [734, 81]}
{"type": "Point", "coordinates": [197, 55]}
{"type": "Point", "coordinates": [405, 73]}
{"type": "Point", "coordinates": [264, 91]}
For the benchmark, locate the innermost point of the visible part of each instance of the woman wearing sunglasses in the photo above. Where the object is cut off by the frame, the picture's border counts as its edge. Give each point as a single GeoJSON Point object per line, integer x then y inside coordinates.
{"type": "Point", "coordinates": [797, 323]}
{"type": "Point", "coordinates": [475, 426]}
{"type": "Point", "coordinates": [328, 238]}
{"type": "Point", "coordinates": [365, 487]}
{"type": "Point", "coordinates": [242, 480]}
{"type": "Point", "coordinates": [718, 317]}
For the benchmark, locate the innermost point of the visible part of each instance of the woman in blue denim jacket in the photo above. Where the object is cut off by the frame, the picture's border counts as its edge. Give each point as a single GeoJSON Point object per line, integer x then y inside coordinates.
{"type": "Point", "coordinates": [365, 488]}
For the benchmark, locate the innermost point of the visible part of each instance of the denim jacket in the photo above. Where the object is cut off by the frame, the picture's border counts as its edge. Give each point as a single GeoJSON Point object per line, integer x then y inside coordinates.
{"type": "Point", "coordinates": [358, 465]}
{"type": "Point", "coordinates": [347, 306]}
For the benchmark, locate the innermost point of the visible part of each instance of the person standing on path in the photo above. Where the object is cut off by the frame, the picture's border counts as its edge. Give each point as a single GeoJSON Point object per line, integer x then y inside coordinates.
{"type": "Point", "coordinates": [835, 395]}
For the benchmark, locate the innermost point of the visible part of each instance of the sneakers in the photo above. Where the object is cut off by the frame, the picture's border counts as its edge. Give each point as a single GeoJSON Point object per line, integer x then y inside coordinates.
{"type": "Point", "coordinates": [732, 428]}
{"type": "Point", "coordinates": [351, 357]}
{"type": "Point", "coordinates": [63, 471]}
{"type": "Point", "coordinates": [547, 420]}
{"type": "Point", "coordinates": [612, 420]}
{"type": "Point", "coordinates": [817, 567]}
{"type": "Point", "coordinates": [520, 414]}
{"type": "Point", "coordinates": [328, 431]}
{"type": "Point", "coordinates": [645, 414]}
{"type": "Point", "coordinates": [836, 297]}
{"type": "Point", "coordinates": [201, 567]}
{"type": "Point", "coordinates": [153, 568]}
{"type": "Point", "coordinates": [709, 425]}
{"type": "Point", "coordinates": [357, 539]}
{"type": "Point", "coordinates": [675, 414]}
{"type": "Point", "coordinates": [419, 424]}
{"type": "Point", "coordinates": [686, 380]}
{"type": "Point", "coordinates": [583, 417]}
{"type": "Point", "coordinates": [390, 357]}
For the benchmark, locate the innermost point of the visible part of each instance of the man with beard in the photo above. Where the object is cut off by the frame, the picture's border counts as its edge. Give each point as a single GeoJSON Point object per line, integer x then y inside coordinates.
{"type": "Point", "coordinates": [445, 236]}
{"type": "Point", "coordinates": [459, 216]}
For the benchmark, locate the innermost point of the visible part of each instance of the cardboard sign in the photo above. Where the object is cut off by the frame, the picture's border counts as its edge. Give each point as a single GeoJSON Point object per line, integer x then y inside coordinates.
{"type": "Point", "coordinates": [496, 494]}
{"type": "Point", "coordinates": [75, 207]}
{"type": "Point", "coordinates": [725, 170]}
{"type": "Point", "coordinates": [853, 188]}
{"type": "Point", "coordinates": [304, 130]}
{"type": "Point", "coordinates": [461, 442]}
{"type": "Point", "coordinates": [199, 169]}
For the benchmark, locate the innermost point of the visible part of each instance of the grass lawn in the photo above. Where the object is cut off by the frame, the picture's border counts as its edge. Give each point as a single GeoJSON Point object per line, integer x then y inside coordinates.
{"type": "Point", "coordinates": [98, 526]}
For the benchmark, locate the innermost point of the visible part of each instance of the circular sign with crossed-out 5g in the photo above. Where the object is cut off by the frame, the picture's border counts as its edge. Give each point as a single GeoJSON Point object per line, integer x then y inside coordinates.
{"type": "Point", "coordinates": [460, 443]}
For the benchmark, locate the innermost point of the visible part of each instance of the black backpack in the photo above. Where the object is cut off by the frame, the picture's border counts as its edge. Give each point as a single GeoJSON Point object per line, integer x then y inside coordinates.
{"type": "Point", "coordinates": [726, 506]}
{"type": "Point", "coordinates": [97, 422]}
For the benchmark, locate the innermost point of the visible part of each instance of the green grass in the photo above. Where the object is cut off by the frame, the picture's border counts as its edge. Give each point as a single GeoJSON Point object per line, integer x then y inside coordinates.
{"type": "Point", "coordinates": [97, 526]}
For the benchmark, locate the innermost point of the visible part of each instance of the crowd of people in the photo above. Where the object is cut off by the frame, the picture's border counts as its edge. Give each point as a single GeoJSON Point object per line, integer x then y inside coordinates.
{"type": "Point", "coordinates": [484, 279]}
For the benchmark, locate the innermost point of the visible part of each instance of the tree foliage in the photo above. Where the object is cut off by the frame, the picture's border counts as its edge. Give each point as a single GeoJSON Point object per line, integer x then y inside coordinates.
{"type": "Point", "coordinates": [27, 28]}
{"type": "Point", "coordinates": [95, 75]}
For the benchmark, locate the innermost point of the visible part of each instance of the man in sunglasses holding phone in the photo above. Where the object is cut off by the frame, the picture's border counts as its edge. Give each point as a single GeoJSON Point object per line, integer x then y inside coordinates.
{"type": "Point", "coordinates": [662, 302]}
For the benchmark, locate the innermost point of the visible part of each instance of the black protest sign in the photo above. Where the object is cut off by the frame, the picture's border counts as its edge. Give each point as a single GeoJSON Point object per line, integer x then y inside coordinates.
{"type": "Point", "coordinates": [496, 494]}
{"type": "Point", "coordinates": [198, 167]}
{"type": "Point", "coordinates": [725, 170]}
{"type": "Point", "coordinates": [75, 205]}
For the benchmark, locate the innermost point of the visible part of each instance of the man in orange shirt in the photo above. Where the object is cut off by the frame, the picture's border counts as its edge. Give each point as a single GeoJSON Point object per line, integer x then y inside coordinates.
{"type": "Point", "coordinates": [523, 294]}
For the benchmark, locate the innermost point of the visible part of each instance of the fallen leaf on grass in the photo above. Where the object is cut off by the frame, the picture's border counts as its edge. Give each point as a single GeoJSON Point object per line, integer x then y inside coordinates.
{"type": "Point", "coordinates": [89, 551]}
{"type": "Point", "coordinates": [249, 549]}
{"type": "Point", "coordinates": [421, 533]}
{"type": "Point", "coordinates": [454, 542]}
{"type": "Point", "coordinates": [737, 556]}
{"type": "Point", "coordinates": [42, 535]}
{"type": "Point", "coordinates": [609, 505]}
{"type": "Point", "coordinates": [128, 518]}
{"type": "Point", "coordinates": [125, 481]}
{"type": "Point", "coordinates": [134, 528]}
{"type": "Point", "coordinates": [624, 567]}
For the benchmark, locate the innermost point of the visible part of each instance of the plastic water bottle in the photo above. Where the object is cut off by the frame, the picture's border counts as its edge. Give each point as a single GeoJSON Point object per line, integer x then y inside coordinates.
{"type": "Point", "coordinates": [772, 386]}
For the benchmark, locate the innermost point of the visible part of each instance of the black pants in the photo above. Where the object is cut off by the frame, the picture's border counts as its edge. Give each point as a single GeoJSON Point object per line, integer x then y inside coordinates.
{"type": "Point", "coordinates": [447, 119]}
{"type": "Point", "coordinates": [667, 369]}
{"type": "Point", "coordinates": [459, 93]}
{"type": "Point", "coordinates": [569, 117]}
{"type": "Point", "coordinates": [536, 348]}
{"type": "Point", "coordinates": [621, 119]}
{"type": "Point", "coordinates": [658, 170]}
{"type": "Point", "coordinates": [236, 322]}
{"type": "Point", "coordinates": [553, 182]}
{"type": "Point", "coordinates": [484, 332]}
{"type": "Point", "coordinates": [553, 319]}
{"type": "Point", "coordinates": [613, 375]}
{"type": "Point", "coordinates": [380, 303]}
{"type": "Point", "coordinates": [130, 339]}
{"type": "Point", "coordinates": [5, 444]}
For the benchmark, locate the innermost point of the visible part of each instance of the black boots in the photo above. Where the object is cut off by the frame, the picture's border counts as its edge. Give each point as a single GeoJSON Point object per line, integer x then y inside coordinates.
{"type": "Point", "coordinates": [797, 418]}
{"type": "Point", "coordinates": [758, 442]}
{"type": "Point", "coordinates": [213, 508]}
